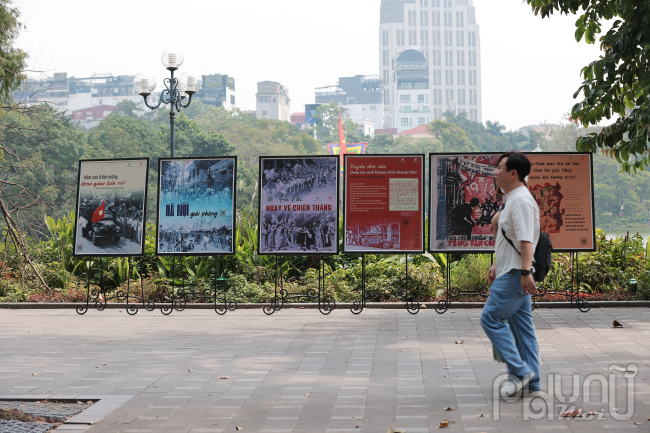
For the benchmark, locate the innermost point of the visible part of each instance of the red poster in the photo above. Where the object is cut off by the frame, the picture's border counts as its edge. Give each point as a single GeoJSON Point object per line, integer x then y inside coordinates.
{"type": "Point", "coordinates": [383, 210]}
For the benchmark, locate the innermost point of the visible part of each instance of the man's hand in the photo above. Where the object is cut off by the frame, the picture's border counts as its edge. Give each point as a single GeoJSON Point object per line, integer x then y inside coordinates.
{"type": "Point", "coordinates": [528, 284]}
{"type": "Point", "coordinates": [492, 274]}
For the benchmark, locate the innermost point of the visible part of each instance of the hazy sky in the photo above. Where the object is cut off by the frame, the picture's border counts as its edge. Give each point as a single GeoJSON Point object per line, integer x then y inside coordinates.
{"type": "Point", "coordinates": [530, 66]}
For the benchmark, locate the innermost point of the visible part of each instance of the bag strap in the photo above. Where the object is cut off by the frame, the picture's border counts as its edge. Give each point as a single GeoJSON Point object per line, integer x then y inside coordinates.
{"type": "Point", "coordinates": [509, 241]}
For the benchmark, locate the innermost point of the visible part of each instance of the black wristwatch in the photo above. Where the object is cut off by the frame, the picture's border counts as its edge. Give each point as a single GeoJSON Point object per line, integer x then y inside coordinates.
{"type": "Point", "coordinates": [526, 272]}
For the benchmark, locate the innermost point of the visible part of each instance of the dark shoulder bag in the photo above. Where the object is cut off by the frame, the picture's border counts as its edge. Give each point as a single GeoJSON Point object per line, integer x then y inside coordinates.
{"type": "Point", "coordinates": [542, 260]}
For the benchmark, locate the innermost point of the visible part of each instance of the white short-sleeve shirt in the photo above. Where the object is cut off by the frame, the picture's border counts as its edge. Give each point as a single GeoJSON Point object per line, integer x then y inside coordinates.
{"type": "Point", "coordinates": [520, 220]}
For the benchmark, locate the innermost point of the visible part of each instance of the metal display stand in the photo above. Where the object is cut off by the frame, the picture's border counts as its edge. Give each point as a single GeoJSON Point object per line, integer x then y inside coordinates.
{"type": "Point", "coordinates": [222, 309]}
{"type": "Point", "coordinates": [572, 292]}
{"type": "Point", "coordinates": [325, 307]}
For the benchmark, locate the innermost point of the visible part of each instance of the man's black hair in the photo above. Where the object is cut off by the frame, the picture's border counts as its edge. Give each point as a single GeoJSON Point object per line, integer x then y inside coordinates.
{"type": "Point", "coordinates": [474, 202]}
{"type": "Point", "coordinates": [517, 161]}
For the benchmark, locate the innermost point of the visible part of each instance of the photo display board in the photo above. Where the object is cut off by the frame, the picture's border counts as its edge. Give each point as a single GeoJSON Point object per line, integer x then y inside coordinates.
{"type": "Point", "coordinates": [196, 206]}
{"type": "Point", "coordinates": [383, 204]}
{"type": "Point", "coordinates": [298, 205]}
{"type": "Point", "coordinates": [111, 207]}
{"type": "Point", "coordinates": [463, 199]}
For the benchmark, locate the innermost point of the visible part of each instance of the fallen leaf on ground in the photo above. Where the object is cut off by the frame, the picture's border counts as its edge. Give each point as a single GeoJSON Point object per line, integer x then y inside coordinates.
{"type": "Point", "coordinates": [191, 371]}
{"type": "Point", "coordinates": [403, 350]}
{"type": "Point", "coordinates": [590, 412]}
{"type": "Point", "coordinates": [390, 430]}
{"type": "Point", "coordinates": [36, 374]}
{"type": "Point", "coordinates": [103, 363]}
{"type": "Point", "coordinates": [307, 395]}
{"type": "Point", "coordinates": [238, 428]}
{"type": "Point", "coordinates": [447, 367]}
{"type": "Point", "coordinates": [459, 342]}
{"type": "Point", "coordinates": [616, 324]}
{"type": "Point", "coordinates": [443, 425]}
{"type": "Point", "coordinates": [480, 415]}
{"type": "Point", "coordinates": [89, 402]}
{"type": "Point", "coordinates": [637, 423]}
{"type": "Point", "coordinates": [223, 377]}
{"type": "Point", "coordinates": [449, 408]}
{"type": "Point", "coordinates": [572, 413]}
{"type": "Point", "coordinates": [583, 347]}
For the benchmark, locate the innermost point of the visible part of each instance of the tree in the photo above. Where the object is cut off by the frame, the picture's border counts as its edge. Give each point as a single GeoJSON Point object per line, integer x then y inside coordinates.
{"type": "Point", "coordinates": [451, 137]}
{"type": "Point", "coordinates": [129, 108]}
{"type": "Point", "coordinates": [616, 83]}
{"type": "Point", "coordinates": [12, 60]}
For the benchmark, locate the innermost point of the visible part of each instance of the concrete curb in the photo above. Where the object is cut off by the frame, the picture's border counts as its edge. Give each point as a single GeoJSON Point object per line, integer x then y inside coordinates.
{"type": "Point", "coordinates": [340, 306]}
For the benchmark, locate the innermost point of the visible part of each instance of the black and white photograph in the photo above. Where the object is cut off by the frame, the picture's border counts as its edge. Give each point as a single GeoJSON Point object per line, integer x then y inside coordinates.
{"type": "Point", "coordinates": [298, 205]}
{"type": "Point", "coordinates": [196, 206]}
{"type": "Point", "coordinates": [111, 206]}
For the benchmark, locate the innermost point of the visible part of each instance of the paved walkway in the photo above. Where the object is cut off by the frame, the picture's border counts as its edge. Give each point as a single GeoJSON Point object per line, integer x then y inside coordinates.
{"type": "Point", "coordinates": [299, 371]}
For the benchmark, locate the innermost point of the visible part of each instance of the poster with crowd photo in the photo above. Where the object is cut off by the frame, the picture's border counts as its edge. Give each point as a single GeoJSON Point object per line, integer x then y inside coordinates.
{"type": "Point", "coordinates": [463, 199]}
{"type": "Point", "coordinates": [562, 186]}
{"type": "Point", "coordinates": [298, 202]}
{"type": "Point", "coordinates": [196, 206]}
{"type": "Point", "coordinates": [111, 207]}
{"type": "Point", "coordinates": [383, 204]}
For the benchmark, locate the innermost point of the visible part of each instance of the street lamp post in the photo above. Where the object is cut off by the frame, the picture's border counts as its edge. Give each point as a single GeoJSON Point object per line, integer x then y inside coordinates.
{"type": "Point", "coordinates": [176, 90]}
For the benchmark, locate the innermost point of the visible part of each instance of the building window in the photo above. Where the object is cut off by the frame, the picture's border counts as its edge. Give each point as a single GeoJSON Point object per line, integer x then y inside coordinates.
{"type": "Point", "coordinates": [460, 21]}
{"type": "Point", "coordinates": [89, 113]}
{"type": "Point", "coordinates": [435, 3]}
{"type": "Point", "coordinates": [399, 37]}
{"type": "Point", "coordinates": [420, 99]}
{"type": "Point", "coordinates": [413, 37]}
{"type": "Point", "coordinates": [385, 57]}
{"type": "Point", "coordinates": [436, 58]}
{"type": "Point", "coordinates": [473, 97]}
{"type": "Point", "coordinates": [449, 58]}
{"type": "Point", "coordinates": [267, 86]}
{"type": "Point", "coordinates": [407, 108]}
{"type": "Point", "coordinates": [264, 113]}
{"type": "Point", "coordinates": [472, 78]}
{"type": "Point", "coordinates": [461, 77]}
{"type": "Point", "coordinates": [425, 109]}
{"type": "Point", "coordinates": [449, 38]}
{"type": "Point", "coordinates": [232, 99]}
{"type": "Point", "coordinates": [435, 38]}
{"type": "Point", "coordinates": [447, 3]}
{"type": "Point", "coordinates": [274, 100]}
{"type": "Point", "coordinates": [449, 77]}
{"type": "Point", "coordinates": [437, 96]}
{"type": "Point", "coordinates": [471, 61]}
{"type": "Point", "coordinates": [385, 77]}
{"type": "Point", "coordinates": [471, 39]}
{"type": "Point", "coordinates": [424, 18]}
{"type": "Point", "coordinates": [373, 107]}
{"type": "Point", "coordinates": [405, 99]}
{"type": "Point", "coordinates": [425, 53]}
{"type": "Point", "coordinates": [473, 114]}
{"type": "Point", "coordinates": [385, 37]}
{"type": "Point", "coordinates": [424, 38]}
{"type": "Point", "coordinates": [405, 121]}
{"type": "Point", "coordinates": [461, 96]}
{"type": "Point", "coordinates": [449, 22]}
{"type": "Point", "coordinates": [423, 3]}
{"type": "Point", "coordinates": [435, 19]}
{"type": "Point", "coordinates": [411, 16]}
{"type": "Point", "coordinates": [79, 113]}
{"type": "Point", "coordinates": [449, 97]}
{"type": "Point", "coordinates": [437, 77]}
{"type": "Point", "coordinates": [420, 121]}
{"type": "Point", "coordinates": [460, 39]}
{"type": "Point", "coordinates": [460, 58]}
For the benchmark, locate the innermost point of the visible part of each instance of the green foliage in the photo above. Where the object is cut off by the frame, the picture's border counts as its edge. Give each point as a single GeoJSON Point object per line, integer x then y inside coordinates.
{"type": "Point", "coordinates": [12, 60]}
{"type": "Point", "coordinates": [616, 83]}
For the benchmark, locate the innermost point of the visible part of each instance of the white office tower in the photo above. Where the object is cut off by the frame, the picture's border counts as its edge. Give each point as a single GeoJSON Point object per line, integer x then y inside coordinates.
{"type": "Point", "coordinates": [430, 60]}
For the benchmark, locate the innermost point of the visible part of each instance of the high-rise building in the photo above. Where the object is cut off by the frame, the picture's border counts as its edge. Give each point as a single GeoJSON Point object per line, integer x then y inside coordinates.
{"type": "Point", "coordinates": [272, 101]}
{"type": "Point", "coordinates": [217, 90]}
{"type": "Point", "coordinates": [446, 35]}
{"type": "Point", "coordinates": [361, 95]}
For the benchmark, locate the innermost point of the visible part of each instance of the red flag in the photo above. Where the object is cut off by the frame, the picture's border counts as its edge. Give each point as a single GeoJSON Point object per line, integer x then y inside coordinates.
{"type": "Point", "coordinates": [342, 136]}
{"type": "Point", "coordinates": [98, 215]}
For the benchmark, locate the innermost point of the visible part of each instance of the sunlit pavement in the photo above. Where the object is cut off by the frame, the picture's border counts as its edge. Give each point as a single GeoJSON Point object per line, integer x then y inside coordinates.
{"type": "Point", "coordinates": [300, 371]}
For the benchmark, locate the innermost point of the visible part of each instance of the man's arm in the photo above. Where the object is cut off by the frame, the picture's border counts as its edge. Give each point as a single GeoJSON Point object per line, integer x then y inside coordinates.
{"type": "Point", "coordinates": [492, 273]}
{"type": "Point", "coordinates": [527, 281]}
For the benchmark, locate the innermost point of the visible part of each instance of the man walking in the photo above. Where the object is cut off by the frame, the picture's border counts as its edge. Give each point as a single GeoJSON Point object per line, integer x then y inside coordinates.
{"type": "Point", "coordinates": [507, 312]}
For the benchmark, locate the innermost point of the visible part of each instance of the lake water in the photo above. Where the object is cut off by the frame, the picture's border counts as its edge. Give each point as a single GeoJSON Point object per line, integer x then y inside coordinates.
{"type": "Point", "coordinates": [612, 233]}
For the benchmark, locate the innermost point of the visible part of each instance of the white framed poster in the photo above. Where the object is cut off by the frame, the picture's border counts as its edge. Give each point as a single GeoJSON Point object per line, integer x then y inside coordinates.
{"type": "Point", "coordinates": [196, 206]}
{"type": "Point", "coordinates": [298, 205]}
{"type": "Point", "coordinates": [111, 207]}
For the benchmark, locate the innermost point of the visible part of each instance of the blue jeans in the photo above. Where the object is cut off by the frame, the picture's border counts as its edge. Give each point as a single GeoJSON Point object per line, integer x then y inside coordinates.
{"type": "Point", "coordinates": [508, 303]}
